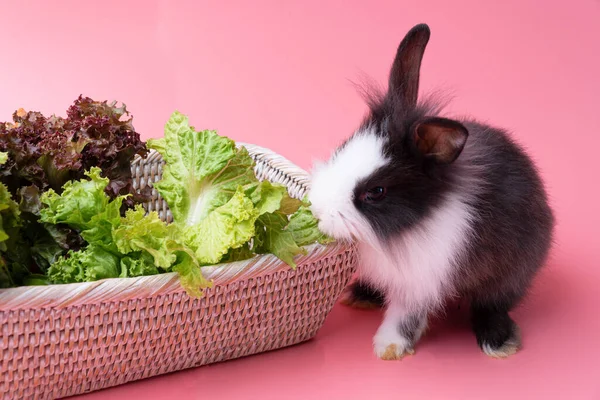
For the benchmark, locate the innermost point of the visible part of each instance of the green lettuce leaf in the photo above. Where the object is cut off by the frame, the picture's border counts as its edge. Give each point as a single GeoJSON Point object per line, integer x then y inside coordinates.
{"type": "Point", "coordinates": [271, 197]}
{"type": "Point", "coordinates": [229, 226]}
{"type": "Point", "coordinates": [224, 212]}
{"type": "Point", "coordinates": [101, 226]}
{"type": "Point", "coordinates": [10, 220]}
{"type": "Point", "coordinates": [47, 241]}
{"type": "Point", "coordinates": [153, 246]}
{"type": "Point", "coordinates": [137, 264]}
{"type": "Point", "coordinates": [289, 205]}
{"type": "Point", "coordinates": [266, 196]}
{"type": "Point", "coordinates": [79, 202]}
{"type": "Point", "coordinates": [239, 254]}
{"type": "Point", "coordinates": [304, 228]}
{"type": "Point", "coordinates": [146, 234]}
{"type": "Point", "coordinates": [123, 246]}
{"type": "Point", "coordinates": [188, 268]}
{"type": "Point", "coordinates": [272, 237]}
{"type": "Point", "coordinates": [84, 206]}
{"type": "Point", "coordinates": [9, 211]}
{"type": "Point", "coordinates": [211, 189]}
{"type": "Point", "coordinates": [90, 264]}
{"type": "Point", "coordinates": [202, 172]}
{"type": "Point", "coordinates": [13, 264]}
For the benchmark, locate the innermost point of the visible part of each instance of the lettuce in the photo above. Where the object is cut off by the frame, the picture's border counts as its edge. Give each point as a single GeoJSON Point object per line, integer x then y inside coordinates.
{"type": "Point", "coordinates": [49, 151]}
{"type": "Point", "coordinates": [148, 246]}
{"type": "Point", "coordinates": [87, 229]}
{"type": "Point", "coordinates": [190, 273]}
{"type": "Point", "coordinates": [82, 203]}
{"type": "Point", "coordinates": [304, 228]}
{"type": "Point", "coordinates": [145, 234]}
{"type": "Point", "coordinates": [10, 224]}
{"type": "Point", "coordinates": [211, 189]}
{"type": "Point", "coordinates": [45, 152]}
{"type": "Point", "coordinates": [227, 227]}
{"type": "Point", "coordinates": [202, 172]}
{"type": "Point", "coordinates": [86, 265]}
{"type": "Point", "coordinates": [117, 246]}
{"type": "Point", "coordinates": [274, 238]}
{"type": "Point", "coordinates": [85, 207]}
{"type": "Point", "coordinates": [225, 212]}
{"type": "Point", "coordinates": [137, 266]}
{"type": "Point", "coordinates": [9, 216]}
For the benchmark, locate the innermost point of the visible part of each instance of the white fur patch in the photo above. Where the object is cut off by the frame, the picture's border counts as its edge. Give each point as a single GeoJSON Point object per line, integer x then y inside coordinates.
{"type": "Point", "coordinates": [417, 270]}
{"type": "Point", "coordinates": [389, 343]}
{"type": "Point", "coordinates": [333, 183]}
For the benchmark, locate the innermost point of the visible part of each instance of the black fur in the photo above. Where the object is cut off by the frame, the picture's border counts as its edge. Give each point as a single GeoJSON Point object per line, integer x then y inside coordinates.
{"type": "Point", "coordinates": [492, 325]}
{"type": "Point", "coordinates": [414, 187]}
{"type": "Point", "coordinates": [409, 328]}
{"type": "Point", "coordinates": [512, 225]}
{"type": "Point", "coordinates": [364, 292]}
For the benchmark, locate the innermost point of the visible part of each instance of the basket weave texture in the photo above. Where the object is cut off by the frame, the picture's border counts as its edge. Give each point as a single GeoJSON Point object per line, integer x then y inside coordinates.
{"type": "Point", "coordinates": [63, 340]}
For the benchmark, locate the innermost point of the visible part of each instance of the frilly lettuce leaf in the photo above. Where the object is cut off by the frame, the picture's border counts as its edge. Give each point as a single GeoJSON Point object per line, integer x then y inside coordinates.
{"type": "Point", "coordinates": [272, 237]}
{"type": "Point", "coordinates": [285, 231]}
{"type": "Point", "coordinates": [188, 268]}
{"type": "Point", "coordinates": [240, 254]}
{"type": "Point", "coordinates": [137, 264]}
{"type": "Point", "coordinates": [304, 228]}
{"type": "Point", "coordinates": [49, 151]}
{"type": "Point", "coordinates": [101, 226]}
{"type": "Point", "coordinates": [227, 227]}
{"type": "Point", "coordinates": [269, 198]}
{"type": "Point", "coordinates": [12, 268]}
{"type": "Point", "coordinates": [9, 210]}
{"type": "Point", "coordinates": [85, 206]}
{"type": "Point", "coordinates": [221, 213]}
{"type": "Point", "coordinates": [123, 246]}
{"type": "Point", "coordinates": [90, 264]}
{"type": "Point", "coordinates": [147, 234]}
{"type": "Point", "coordinates": [79, 202]}
{"type": "Point", "coordinates": [152, 246]}
{"type": "Point", "coordinates": [211, 189]}
{"type": "Point", "coordinates": [225, 213]}
{"type": "Point", "coordinates": [202, 172]}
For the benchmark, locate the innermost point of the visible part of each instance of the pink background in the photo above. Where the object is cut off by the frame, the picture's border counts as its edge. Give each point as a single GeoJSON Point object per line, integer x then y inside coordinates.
{"type": "Point", "coordinates": [277, 73]}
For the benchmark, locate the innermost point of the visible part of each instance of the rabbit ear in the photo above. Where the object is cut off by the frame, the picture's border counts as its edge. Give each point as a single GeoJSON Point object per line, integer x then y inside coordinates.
{"type": "Point", "coordinates": [440, 139]}
{"type": "Point", "coordinates": [404, 76]}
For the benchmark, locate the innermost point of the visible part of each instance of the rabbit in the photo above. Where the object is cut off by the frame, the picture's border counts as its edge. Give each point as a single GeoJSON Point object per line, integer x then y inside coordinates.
{"type": "Point", "coordinates": [439, 209]}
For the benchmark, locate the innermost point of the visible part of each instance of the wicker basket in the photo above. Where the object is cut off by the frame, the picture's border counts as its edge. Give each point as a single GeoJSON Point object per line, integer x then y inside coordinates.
{"type": "Point", "coordinates": [62, 340]}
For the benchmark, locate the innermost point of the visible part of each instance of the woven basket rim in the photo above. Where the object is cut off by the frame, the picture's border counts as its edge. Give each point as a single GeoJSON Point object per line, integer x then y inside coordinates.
{"type": "Point", "coordinates": [119, 289]}
{"type": "Point", "coordinates": [63, 295]}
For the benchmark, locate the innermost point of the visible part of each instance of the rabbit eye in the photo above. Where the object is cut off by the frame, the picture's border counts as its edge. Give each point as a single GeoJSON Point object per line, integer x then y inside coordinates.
{"type": "Point", "coordinates": [374, 194]}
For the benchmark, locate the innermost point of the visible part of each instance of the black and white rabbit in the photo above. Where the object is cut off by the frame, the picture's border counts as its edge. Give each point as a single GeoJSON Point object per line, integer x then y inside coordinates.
{"type": "Point", "coordinates": [439, 209]}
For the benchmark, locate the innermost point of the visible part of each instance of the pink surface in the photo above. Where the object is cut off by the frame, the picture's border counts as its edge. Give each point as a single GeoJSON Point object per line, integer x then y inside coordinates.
{"type": "Point", "coordinates": [276, 73]}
